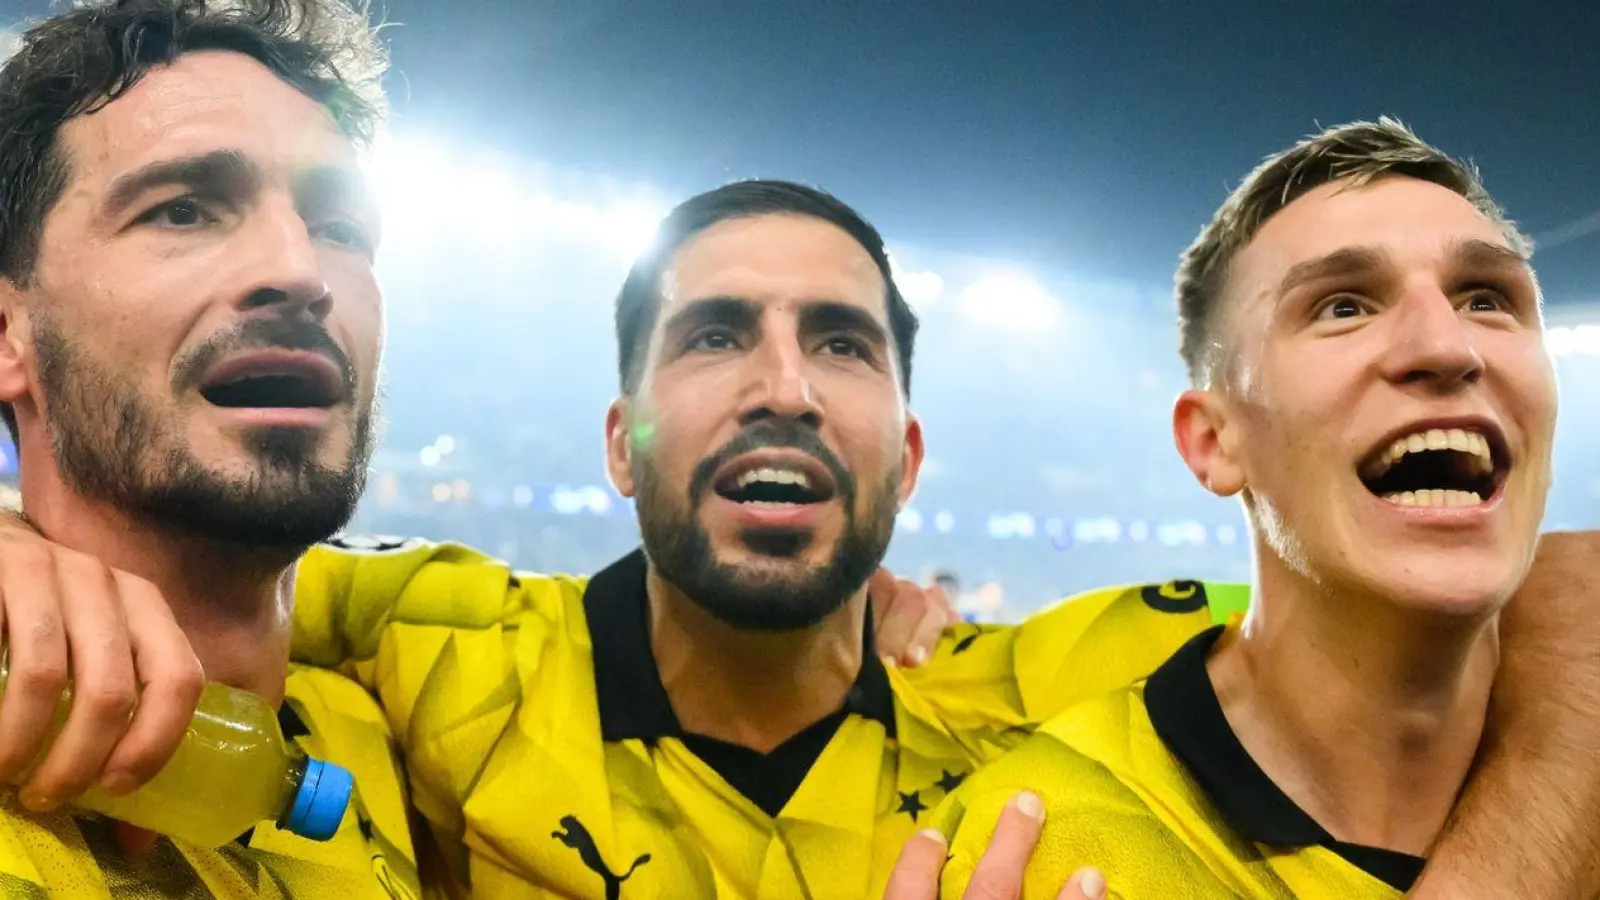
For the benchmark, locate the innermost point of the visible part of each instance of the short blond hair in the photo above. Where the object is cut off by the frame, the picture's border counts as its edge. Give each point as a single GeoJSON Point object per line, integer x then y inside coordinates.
{"type": "Point", "coordinates": [1360, 152]}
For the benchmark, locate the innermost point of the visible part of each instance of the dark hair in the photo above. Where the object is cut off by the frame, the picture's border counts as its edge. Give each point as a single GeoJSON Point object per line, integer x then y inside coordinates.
{"type": "Point", "coordinates": [1360, 152]}
{"type": "Point", "coordinates": [639, 301]}
{"type": "Point", "coordinates": [78, 61]}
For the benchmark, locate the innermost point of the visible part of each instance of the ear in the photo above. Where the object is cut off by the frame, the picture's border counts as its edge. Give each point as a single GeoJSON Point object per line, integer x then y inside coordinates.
{"type": "Point", "coordinates": [1206, 439]}
{"type": "Point", "coordinates": [15, 343]}
{"type": "Point", "coordinates": [911, 453]}
{"type": "Point", "coordinates": [619, 446]}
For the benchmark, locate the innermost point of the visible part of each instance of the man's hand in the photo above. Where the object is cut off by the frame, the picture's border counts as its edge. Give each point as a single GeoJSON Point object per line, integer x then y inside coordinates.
{"type": "Point", "coordinates": [999, 874]}
{"type": "Point", "coordinates": [908, 619]}
{"type": "Point", "coordinates": [66, 613]}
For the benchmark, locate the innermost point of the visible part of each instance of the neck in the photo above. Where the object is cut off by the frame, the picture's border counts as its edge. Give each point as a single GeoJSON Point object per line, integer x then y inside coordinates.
{"type": "Point", "coordinates": [1366, 713]}
{"type": "Point", "coordinates": [232, 603]}
{"type": "Point", "coordinates": [751, 688]}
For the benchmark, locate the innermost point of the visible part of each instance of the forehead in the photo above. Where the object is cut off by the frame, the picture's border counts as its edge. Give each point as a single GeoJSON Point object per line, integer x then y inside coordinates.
{"type": "Point", "coordinates": [774, 259]}
{"type": "Point", "coordinates": [1413, 222]}
{"type": "Point", "coordinates": [205, 101]}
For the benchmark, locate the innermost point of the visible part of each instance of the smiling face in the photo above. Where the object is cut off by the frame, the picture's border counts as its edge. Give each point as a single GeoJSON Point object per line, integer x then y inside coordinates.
{"type": "Point", "coordinates": [768, 444]}
{"type": "Point", "coordinates": [1390, 406]}
{"type": "Point", "coordinates": [198, 343]}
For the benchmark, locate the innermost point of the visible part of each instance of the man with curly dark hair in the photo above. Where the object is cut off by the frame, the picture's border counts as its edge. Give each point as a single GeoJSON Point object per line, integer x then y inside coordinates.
{"type": "Point", "coordinates": [190, 330]}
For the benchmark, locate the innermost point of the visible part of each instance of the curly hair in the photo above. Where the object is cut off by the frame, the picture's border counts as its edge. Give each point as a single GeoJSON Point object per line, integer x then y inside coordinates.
{"type": "Point", "coordinates": [76, 62]}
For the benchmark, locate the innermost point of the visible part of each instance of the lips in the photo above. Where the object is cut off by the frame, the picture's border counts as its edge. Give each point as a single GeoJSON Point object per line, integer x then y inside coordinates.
{"type": "Point", "coordinates": [775, 477]}
{"type": "Point", "coordinates": [1438, 463]}
{"type": "Point", "coordinates": [275, 379]}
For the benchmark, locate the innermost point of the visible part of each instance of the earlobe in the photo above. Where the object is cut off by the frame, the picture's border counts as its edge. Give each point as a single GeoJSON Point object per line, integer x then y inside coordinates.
{"type": "Point", "coordinates": [1204, 434]}
{"type": "Point", "coordinates": [619, 447]}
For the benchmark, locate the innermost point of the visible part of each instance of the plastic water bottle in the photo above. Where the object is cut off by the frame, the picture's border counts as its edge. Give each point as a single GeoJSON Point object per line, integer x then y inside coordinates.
{"type": "Point", "coordinates": [232, 771]}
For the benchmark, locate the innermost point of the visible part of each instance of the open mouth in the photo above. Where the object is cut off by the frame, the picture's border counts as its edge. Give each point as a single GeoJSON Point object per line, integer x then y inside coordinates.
{"type": "Point", "coordinates": [775, 483]}
{"type": "Point", "coordinates": [294, 380]}
{"type": "Point", "coordinates": [1438, 467]}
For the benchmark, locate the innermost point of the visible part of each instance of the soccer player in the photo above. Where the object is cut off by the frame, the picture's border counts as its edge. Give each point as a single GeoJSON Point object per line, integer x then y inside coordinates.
{"type": "Point", "coordinates": [189, 339]}
{"type": "Point", "coordinates": [1365, 338]}
{"type": "Point", "coordinates": [706, 717]}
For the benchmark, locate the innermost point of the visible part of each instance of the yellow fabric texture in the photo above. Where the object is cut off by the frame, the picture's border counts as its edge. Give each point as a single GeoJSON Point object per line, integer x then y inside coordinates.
{"type": "Point", "coordinates": [487, 677]}
{"type": "Point", "coordinates": [1117, 799]}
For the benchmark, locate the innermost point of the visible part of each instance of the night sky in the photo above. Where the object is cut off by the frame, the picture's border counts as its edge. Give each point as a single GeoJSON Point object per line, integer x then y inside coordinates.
{"type": "Point", "coordinates": [1070, 136]}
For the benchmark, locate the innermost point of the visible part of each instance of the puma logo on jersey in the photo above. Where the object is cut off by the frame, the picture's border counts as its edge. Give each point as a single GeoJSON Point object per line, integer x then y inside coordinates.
{"type": "Point", "coordinates": [574, 835]}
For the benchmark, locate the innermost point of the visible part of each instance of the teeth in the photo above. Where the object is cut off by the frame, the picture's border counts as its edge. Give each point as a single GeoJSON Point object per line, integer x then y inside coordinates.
{"type": "Point", "coordinates": [774, 476]}
{"type": "Point", "coordinates": [1434, 498]}
{"type": "Point", "coordinates": [1441, 439]}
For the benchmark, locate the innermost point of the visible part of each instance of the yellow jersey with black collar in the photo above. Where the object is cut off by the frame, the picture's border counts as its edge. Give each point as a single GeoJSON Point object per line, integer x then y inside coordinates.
{"type": "Point", "coordinates": [545, 755]}
{"type": "Point", "coordinates": [1150, 784]}
{"type": "Point", "coordinates": [68, 854]}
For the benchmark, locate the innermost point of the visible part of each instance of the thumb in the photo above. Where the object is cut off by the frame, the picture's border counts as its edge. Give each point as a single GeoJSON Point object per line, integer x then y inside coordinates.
{"type": "Point", "coordinates": [1087, 884]}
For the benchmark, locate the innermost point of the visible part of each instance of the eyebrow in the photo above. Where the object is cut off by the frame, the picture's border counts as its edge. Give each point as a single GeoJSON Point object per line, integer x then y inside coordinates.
{"type": "Point", "coordinates": [220, 171]}
{"type": "Point", "coordinates": [729, 310]}
{"type": "Point", "coordinates": [1476, 254]}
{"type": "Point", "coordinates": [1346, 261]}
{"type": "Point", "coordinates": [830, 315]}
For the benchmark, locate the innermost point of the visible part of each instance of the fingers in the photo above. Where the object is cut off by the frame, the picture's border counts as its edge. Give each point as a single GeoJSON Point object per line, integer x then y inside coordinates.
{"type": "Point", "coordinates": [172, 678]}
{"type": "Point", "coordinates": [1087, 884]}
{"type": "Point", "coordinates": [916, 872]}
{"type": "Point", "coordinates": [999, 874]}
{"type": "Point", "coordinates": [905, 611]}
{"type": "Point", "coordinates": [938, 614]}
{"type": "Point", "coordinates": [880, 596]}
{"type": "Point", "coordinates": [104, 691]}
{"type": "Point", "coordinates": [36, 643]}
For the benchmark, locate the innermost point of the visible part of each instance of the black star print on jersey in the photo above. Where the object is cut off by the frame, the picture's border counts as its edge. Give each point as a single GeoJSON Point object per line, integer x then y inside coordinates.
{"type": "Point", "coordinates": [950, 781]}
{"type": "Point", "coordinates": [911, 804]}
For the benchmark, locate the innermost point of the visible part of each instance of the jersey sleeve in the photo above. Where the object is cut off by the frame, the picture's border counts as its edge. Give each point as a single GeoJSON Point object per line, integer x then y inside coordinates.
{"type": "Point", "coordinates": [445, 637]}
{"type": "Point", "coordinates": [348, 591]}
{"type": "Point", "coordinates": [988, 676]}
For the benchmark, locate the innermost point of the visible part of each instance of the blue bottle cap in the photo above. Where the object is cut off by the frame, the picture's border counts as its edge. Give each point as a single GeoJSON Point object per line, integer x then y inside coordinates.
{"type": "Point", "coordinates": [320, 804]}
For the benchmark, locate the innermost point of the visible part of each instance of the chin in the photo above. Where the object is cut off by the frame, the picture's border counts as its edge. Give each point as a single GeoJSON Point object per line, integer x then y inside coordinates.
{"type": "Point", "coordinates": [1446, 585]}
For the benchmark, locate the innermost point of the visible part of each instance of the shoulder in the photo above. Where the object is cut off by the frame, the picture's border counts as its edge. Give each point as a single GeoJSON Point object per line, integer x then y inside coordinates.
{"type": "Point", "coordinates": [427, 582]}
{"type": "Point", "coordinates": [1093, 815]}
{"type": "Point", "coordinates": [1103, 639]}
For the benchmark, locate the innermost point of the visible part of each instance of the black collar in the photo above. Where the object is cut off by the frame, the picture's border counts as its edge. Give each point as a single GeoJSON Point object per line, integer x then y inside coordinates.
{"type": "Point", "coordinates": [633, 702]}
{"type": "Point", "coordinates": [1188, 716]}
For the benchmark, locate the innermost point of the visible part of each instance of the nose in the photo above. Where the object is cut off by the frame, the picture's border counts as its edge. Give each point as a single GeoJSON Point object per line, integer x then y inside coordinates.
{"type": "Point", "coordinates": [1432, 344]}
{"type": "Point", "coordinates": [283, 273]}
{"type": "Point", "coordinates": [779, 384]}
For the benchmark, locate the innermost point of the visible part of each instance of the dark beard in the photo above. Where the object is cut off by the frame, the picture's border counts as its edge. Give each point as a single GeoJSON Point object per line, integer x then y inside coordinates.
{"type": "Point", "coordinates": [763, 600]}
{"type": "Point", "coordinates": [111, 445]}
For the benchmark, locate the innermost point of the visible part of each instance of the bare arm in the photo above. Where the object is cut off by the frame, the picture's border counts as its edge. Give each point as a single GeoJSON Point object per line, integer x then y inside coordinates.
{"type": "Point", "coordinates": [1528, 824]}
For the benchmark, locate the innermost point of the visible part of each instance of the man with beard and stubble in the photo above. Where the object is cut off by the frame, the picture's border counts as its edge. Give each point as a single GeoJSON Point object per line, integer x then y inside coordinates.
{"type": "Point", "coordinates": [189, 340]}
{"type": "Point", "coordinates": [706, 716]}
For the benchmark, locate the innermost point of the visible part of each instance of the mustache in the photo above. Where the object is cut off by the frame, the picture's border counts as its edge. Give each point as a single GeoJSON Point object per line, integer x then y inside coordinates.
{"type": "Point", "coordinates": [766, 433]}
{"type": "Point", "coordinates": [262, 334]}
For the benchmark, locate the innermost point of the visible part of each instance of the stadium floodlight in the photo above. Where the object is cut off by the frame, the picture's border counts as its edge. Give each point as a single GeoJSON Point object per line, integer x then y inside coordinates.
{"type": "Point", "coordinates": [1012, 301]}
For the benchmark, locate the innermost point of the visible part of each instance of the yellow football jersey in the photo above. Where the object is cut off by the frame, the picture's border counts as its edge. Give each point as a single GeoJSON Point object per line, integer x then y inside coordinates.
{"type": "Point", "coordinates": [544, 753]}
{"type": "Point", "coordinates": [1150, 784]}
{"type": "Point", "coordinates": [67, 854]}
